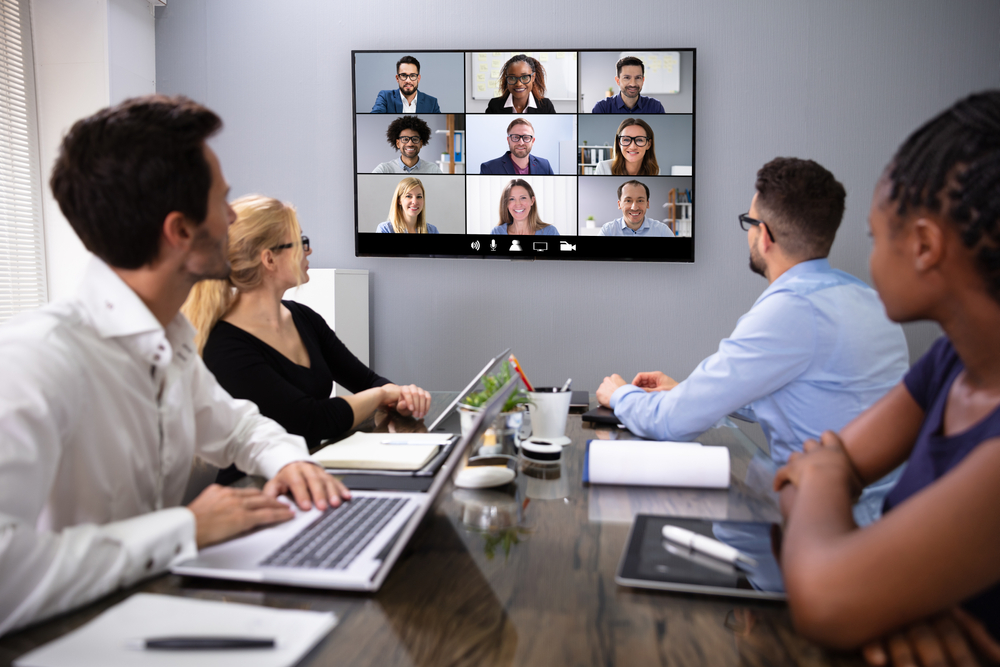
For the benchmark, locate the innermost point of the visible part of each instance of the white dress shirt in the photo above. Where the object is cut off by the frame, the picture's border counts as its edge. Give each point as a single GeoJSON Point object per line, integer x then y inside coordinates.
{"type": "Point", "coordinates": [408, 107]}
{"type": "Point", "coordinates": [102, 411]}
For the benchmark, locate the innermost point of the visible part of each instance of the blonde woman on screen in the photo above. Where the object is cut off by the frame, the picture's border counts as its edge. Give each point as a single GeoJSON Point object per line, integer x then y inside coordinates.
{"type": "Point", "coordinates": [406, 212]}
{"type": "Point", "coordinates": [281, 354]}
{"type": "Point", "coordinates": [634, 152]}
{"type": "Point", "coordinates": [519, 212]}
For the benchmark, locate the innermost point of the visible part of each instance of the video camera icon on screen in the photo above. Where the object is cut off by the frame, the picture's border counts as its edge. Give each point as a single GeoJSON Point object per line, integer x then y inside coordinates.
{"type": "Point", "coordinates": [565, 246]}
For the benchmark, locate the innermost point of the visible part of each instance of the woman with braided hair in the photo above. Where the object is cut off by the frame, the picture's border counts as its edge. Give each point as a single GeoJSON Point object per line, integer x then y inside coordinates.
{"type": "Point", "coordinates": [935, 554]}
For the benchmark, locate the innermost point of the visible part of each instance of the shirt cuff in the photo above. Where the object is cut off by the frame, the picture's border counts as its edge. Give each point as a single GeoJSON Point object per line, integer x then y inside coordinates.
{"type": "Point", "coordinates": [154, 541]}
{"type": "Point", "coordinates": [279, 454]}
{"type": "Point", "coordinates": [621, 391]}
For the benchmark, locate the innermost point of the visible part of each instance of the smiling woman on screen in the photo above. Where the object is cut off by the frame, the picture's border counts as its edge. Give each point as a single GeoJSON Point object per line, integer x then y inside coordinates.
{"type": "Point", "coordinates": [522, 88]}
{"type": "Point", "coordinates": [281, 354]}
{"type": "Point", "coordinates": [634, 152]}
{"type": "Point", "coordinates": [519, 212]}
{"type": "Point", "coordinates": [406, 212]}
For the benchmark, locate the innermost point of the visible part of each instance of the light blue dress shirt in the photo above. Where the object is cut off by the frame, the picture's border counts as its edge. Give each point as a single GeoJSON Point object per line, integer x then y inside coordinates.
{"type": "Point", "coordinates": [649, 227]}
{"type": "Point", "coordinates": [387, 228]}
{"type": "Point", "coordinates": [815, 351]}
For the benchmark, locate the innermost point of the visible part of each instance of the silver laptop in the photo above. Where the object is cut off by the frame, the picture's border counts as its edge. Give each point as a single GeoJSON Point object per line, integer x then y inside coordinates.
{"type": "Point", "coordinates": [469, 387]}
{"type": "Point", "coordinates": [351, 547]}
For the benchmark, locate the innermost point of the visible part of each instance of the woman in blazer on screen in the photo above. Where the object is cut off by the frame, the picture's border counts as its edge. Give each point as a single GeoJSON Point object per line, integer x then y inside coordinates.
{"type": "Point", "coordinates": [522, 88]}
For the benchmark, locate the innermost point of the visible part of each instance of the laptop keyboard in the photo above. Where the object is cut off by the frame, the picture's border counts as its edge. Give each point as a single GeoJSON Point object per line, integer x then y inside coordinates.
{"type": "Point", "coordinates": [335, 539]}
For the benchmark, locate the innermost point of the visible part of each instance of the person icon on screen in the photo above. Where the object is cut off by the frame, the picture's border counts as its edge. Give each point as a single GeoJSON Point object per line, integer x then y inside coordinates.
{"type": "Point", "coordinates": [633, 202]}
{"type": "Point", "coordinates": [406, 98]}
{"type": "Point", "coordinates": [518, 160]}
{"type": "Point", "coordinates": [515, 246]}
{"type": "Point", "coordinates": [631, 75]}
{"type": "Point", "coordinates": [408, 134]}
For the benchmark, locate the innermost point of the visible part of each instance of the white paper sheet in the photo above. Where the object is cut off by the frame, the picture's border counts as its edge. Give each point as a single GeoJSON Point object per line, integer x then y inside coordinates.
{"type": "Point", "coordinates": [648, 463]}
{"type": "Point", "coordinates": [103, 641]}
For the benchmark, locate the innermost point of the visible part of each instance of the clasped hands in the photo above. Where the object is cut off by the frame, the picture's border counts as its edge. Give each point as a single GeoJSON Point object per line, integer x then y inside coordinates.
{"type": "Point", "coordinates": [649, 381]}
{"type": "Point", "coordinates": [408, 400]}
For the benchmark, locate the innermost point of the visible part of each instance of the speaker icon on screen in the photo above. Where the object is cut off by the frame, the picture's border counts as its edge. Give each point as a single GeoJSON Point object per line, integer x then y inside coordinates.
{"type": "Point", "coordinates": [475, 245]}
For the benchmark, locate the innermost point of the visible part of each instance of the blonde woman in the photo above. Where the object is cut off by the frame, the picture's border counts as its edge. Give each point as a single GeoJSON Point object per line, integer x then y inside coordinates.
{"type": "Point", "coordinates": [280, 354]}
{"type": "Point", "coordinates": [519, 213]}
{"type": "Point", "coordinates": [633, 152]}
{"type": "Point", "coordinates": [406, 212]}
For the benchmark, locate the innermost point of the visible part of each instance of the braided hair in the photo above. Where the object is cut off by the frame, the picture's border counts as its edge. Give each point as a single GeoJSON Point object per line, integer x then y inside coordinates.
{"type": "Point", "coordinates": [951, 165]}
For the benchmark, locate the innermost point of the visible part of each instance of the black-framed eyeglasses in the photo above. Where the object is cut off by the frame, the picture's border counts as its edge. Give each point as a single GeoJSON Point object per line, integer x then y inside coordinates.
{"type": "Point", "coordinates": [626, 140]}
{"type": "Point", "coordinates": [524, 78]}
{"type": "Point", "coordinates": [285, 246]}
{"type": "Point", "coordinates": [526, 138]}
{"type": "Point", "coordinates": [408, 77]}
{"type": "Point", "coordinates": [746, 222]}
{"type": "Point", "coordinates": [407, 140]}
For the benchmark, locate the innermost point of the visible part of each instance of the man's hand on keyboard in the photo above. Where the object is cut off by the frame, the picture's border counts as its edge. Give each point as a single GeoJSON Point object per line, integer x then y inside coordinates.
{"type": "Point", "coordinates": [221, 512]}
{"type": "Point", "coordinates": [308, 484]}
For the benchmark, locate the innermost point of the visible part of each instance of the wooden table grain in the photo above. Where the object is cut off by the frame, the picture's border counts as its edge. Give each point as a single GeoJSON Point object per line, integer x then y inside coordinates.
{"type": "Point", "coordinates": [524, 575]}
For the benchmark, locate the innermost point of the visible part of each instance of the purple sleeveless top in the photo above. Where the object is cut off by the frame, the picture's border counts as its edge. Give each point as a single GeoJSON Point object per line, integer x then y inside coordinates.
{"type": "Point", "coordinates": [934, 454]}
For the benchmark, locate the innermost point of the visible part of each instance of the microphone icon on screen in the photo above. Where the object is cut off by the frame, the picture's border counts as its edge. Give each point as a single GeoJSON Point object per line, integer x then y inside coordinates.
{"type": "Point", "coordinates": [493, 244]}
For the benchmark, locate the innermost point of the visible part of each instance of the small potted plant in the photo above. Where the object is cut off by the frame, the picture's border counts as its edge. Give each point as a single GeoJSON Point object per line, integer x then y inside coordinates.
{"type": "Point", "coordinates": [506, 429]}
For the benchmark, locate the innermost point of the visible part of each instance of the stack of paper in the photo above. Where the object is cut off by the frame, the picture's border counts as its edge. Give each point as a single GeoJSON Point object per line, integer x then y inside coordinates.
{"type": "Point", "coordinates": [104, 642]}
{"type": "Point", "coordinates": [649, 463]}
{"type": "Point", "coordinates": [382, 451]}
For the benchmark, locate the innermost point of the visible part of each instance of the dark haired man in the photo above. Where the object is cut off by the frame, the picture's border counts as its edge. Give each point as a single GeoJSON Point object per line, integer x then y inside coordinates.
{"type": "Point", "coordinates": [408, 134]}
{"type": "Point", "coordinates": [406, 98]}
{"type": "Point", "coordinates": [815, 350]}
{"type": "Point", "coordinates": [518, 160]}
{"type": "Point", "coordinates": [633, 202]}
{"type": "Point", "coordinates": [631, 74]}
{"type": "Point", "coordinates": [105, 401]}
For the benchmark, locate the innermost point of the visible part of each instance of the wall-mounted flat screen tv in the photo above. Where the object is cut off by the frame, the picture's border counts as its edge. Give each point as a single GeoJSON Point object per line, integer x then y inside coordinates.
{"type": "Point", "coordinates": [545, 155]}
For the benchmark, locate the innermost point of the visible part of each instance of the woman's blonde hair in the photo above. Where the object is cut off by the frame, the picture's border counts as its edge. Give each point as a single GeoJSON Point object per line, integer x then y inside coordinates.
{"type": "Point", "coordinates": [396, 209]}
{"type": "Point", "coordinates": [534, 220]}
{"type": "Point", "coordinates": [649, 167]}
{"type": "Point", "coordinates": [262, 223]}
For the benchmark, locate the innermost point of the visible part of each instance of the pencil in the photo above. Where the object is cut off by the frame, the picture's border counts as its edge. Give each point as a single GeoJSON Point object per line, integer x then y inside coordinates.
{"type": "Point", "coordinates": [524, 378]}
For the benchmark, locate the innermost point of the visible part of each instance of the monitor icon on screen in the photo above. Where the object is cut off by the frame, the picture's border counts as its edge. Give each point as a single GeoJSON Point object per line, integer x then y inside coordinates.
{"type": "Point", "coordinates": [540, 246]}
{"type": "Point", "coordinates": [515, 246]}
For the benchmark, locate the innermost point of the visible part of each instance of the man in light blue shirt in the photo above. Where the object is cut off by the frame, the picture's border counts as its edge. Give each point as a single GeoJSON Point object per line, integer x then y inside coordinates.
{"type": "Point", "coordinates": [815, 350]}
{"type": "Point", "coordinates": [633, 202]}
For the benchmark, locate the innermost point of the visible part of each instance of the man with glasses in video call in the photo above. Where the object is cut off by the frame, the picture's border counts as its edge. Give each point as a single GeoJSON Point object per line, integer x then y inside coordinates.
{"type": "Point", "coordinates": [631, 74]}
{"type": "Point", "coordinates": [633, 202]}
{"type": "Point", "coordinates": [408, 134]}
{"type": "Point", "coordinates": [406, 98]}
{"type": "Point", "coordinates": [814, 351]}
{"type": "Point", "coordinates": [518, 160]}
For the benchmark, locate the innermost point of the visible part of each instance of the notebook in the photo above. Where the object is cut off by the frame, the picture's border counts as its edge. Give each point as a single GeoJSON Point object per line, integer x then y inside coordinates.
{"type": "Point", "coordinates": [382, 451]}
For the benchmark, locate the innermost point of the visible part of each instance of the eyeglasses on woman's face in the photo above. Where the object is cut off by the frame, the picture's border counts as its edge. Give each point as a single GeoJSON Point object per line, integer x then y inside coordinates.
{"type": "Point", "coordinates": [625, 140]}
{"type": "Point", "coordinates": [524, 78]}
{"type": "Point", "coordinates": [285, 246]}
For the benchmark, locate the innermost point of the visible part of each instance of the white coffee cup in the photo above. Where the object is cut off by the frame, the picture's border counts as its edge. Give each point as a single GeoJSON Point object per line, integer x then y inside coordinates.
{"type": "Point", "coordinates": [549, 408]}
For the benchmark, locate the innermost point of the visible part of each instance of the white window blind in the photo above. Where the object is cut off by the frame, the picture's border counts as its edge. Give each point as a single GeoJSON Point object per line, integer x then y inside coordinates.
{"type": "Point", "coordinates": [22, 255]}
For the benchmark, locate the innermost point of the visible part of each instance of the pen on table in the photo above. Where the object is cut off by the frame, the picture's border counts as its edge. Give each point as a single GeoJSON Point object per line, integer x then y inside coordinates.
{"type": "Point", "coordinates": [200, 643]}
{"type": "Point", "coordinates": [565, 387]}
{"type": "Point", "coordinates": [443, 441]}
{"type": "Point", "coordinates": [707, 546]}
{"type": "Point", "coordinates": [517, 367]}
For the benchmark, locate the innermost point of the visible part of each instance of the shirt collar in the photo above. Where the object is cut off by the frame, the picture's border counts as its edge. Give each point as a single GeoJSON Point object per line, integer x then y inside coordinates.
{"type": "Point", "coordinates": [117, 312]}
{"type": "Point", "coordinates": [820, 265]}
{"type": "Point", "coordinates": [510, 101]}
{"type": "Point", "coordinates": [623, 225]}
{"type": "Point", "coordinates": [409, 169]}
{"type": "Point", "coordinates": [620, 103]}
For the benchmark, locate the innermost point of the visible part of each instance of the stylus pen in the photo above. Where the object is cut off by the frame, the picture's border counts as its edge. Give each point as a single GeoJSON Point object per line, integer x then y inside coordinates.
{"type": "Point", "coordinates": [201, 643]}
{"type": "Point", "coordinates": [707, 546]}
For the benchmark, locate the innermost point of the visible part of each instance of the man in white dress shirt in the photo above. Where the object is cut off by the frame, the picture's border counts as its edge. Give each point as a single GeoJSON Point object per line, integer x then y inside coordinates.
{"type": "Point", "coordinates": [105, 402]}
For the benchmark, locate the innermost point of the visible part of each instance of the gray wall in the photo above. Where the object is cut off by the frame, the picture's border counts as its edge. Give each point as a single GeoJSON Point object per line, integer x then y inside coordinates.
{"type": "Point", "coordinates": [599, 196]}
{"type": "Point", "coordinates": [841, 81]}
{"type": "Point", "coordinates": [441, 75]}
{"type": "Point", "coordinates": [597, 74]}
{"type": "Point", "coordinates": [671, 136]}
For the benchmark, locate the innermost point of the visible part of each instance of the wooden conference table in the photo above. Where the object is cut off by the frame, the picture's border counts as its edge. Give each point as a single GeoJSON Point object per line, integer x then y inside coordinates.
{"type": "Point", "coordinates": [525, 576]}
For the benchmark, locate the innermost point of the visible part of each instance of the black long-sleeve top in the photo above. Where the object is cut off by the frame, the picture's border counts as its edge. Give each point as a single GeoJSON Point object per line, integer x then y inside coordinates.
{"type": "Point", "coordinates": [296, 397]}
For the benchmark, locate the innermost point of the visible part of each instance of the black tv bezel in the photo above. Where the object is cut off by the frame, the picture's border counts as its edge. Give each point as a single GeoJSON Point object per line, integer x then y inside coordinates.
{"type": "Point", "coordinates": [463, 246]}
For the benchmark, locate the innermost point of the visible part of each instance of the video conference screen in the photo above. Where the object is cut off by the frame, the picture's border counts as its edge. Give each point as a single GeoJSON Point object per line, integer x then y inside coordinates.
{"type": "Point", "coordinates": [545, 155]}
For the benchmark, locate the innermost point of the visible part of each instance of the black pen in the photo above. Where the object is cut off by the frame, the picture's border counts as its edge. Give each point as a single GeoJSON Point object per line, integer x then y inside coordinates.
{"type": "Point", "coordinates": [201, 643]}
